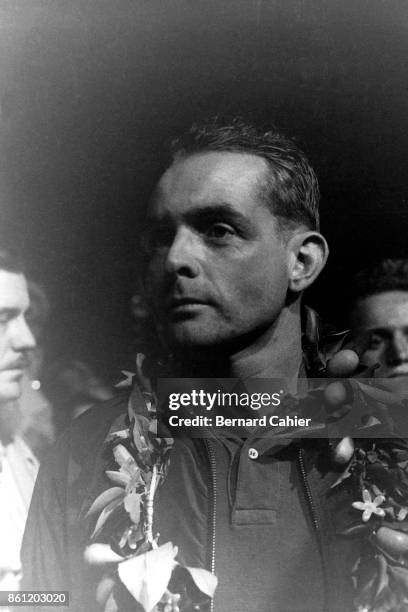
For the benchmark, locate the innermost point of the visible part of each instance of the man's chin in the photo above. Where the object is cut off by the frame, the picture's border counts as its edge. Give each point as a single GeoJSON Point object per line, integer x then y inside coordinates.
{"type": "Point", "coordinates": [189, 335]}
{"type": "Point", "coordinates": [9, 391]}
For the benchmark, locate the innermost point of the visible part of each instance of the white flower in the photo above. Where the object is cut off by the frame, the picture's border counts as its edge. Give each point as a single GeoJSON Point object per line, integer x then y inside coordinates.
{"type": "Point", "coordinates": [369, 506]}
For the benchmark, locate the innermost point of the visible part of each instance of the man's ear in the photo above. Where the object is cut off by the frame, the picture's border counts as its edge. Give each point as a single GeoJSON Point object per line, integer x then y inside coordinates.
{"type": "Point", "coordinates": [308, 252]}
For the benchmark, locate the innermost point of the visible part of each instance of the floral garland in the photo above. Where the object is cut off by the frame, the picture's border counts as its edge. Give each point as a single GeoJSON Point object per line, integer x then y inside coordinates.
{"type": "Point", "coordinates": [148, 570]}
{"type": "Point", "coordinates": [379, 471]}
{"type": "Point", "coordinates": [376, 471]}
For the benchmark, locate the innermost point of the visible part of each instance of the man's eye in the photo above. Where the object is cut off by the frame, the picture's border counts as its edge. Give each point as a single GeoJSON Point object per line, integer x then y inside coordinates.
{"type": "Point", "coordinates": [374, 342]}
{"type": "Point", "coordinates": [218, 231]}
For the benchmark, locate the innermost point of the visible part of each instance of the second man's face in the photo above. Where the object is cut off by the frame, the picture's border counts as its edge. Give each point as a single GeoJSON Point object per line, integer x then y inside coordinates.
{"type": "Point", "coordinates": [16, 338]}
{"type": "Point", "coordinates": [217, 265]}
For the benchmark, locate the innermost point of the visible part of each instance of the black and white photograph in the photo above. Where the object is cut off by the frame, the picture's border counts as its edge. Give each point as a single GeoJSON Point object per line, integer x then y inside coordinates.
{"type": "Point", "coordinates": [204, 305]}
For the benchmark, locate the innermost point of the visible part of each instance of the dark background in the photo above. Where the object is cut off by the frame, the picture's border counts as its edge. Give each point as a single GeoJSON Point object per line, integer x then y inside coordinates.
{"type": "Point", "coordinates": [91, 89]}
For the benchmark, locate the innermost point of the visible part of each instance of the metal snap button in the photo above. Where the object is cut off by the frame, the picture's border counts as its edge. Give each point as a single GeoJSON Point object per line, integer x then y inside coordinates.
{"type": "Point", "coordinates": [253, 453]}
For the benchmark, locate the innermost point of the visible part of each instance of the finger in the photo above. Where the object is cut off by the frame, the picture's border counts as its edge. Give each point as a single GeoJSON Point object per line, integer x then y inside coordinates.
{"type": "Point", "coordinates": [343, 364]}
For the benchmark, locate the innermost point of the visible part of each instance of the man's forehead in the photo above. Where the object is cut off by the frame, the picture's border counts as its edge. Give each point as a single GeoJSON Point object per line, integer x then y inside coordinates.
{"type": "Point", "coordinates": [210, 178]}
{"type": "Point", "coordinates": [382, 310]}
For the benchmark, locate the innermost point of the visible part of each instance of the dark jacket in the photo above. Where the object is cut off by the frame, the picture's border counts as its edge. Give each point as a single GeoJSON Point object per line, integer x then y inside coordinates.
{"type": "Point", "coordinates": [58, 529]}
{"type": "Point", "coordinates": [69, 481]}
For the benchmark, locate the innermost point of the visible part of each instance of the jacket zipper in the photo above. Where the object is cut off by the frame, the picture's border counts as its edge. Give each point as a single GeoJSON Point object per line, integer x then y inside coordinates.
{"type": "Point", "coordinates": [213, 508]}
{"type": "Point", "coordinates": [315, 520]}
{"type": "Point", "coordinates": [213, 511]}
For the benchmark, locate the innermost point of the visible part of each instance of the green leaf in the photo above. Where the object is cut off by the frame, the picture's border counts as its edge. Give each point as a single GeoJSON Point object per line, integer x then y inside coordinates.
{"type": "Point", "coordinates": [141, 434]}
{"type": "Point", "coordinates": [204, 580]}
{"type": "Point", "coordinates": [119, 478]}
{"type": "Point", "coordinates": [153, 427]}
{"type": "Point", "coordinates": [124, 539]}
{"type": "Point", "coordinates": [342, 477]}
{"type": "Point", "coordinates": [400, 574]}
{"type": "Point", "coordinates": [382, 575]}
{"type": "Point", "coordinates": [105, 498]}
{"type": "Point", "coordinates": [104, 590]}
{"type": "Point", "coordinates": [105, 514]}
{"type": "Point", "coordinates": [135, 535]}
{"type": "Point", "coordinates": [110, 604]}
{"type": "Point", "coordinates": [146, 576]}
{"type": "Point", "coordinates": [398, 525]}
{"type": "Point", "coordinates": [356, 530]}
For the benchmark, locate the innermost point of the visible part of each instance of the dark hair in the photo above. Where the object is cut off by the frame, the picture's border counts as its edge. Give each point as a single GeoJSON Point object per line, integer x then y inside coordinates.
{"type": "Point", "coordinates": [386, 275]}
{"type": "Point", "coordinates": [292, 189]}
{"type": "Point", "coordinates": [10, 260]}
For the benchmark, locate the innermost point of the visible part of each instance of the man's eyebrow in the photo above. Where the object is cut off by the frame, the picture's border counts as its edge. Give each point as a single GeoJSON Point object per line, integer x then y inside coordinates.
{"type": "Point", "coordinates": [203, 213]}
{"type": "Point", "coordinates": [219, 209]}
{"type": "Point", "coordinates": [222, 211]}
{"type": "Point", "coordinates": [381, 331]}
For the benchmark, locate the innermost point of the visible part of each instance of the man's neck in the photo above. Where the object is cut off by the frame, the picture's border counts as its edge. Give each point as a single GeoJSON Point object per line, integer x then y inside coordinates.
{"type": "Point", "coordinates": [275, 353]}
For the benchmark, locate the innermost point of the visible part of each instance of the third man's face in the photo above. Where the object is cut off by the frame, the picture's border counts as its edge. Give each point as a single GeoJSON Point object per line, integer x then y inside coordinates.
{"type": "Point", "coordinates": [381, 330]}
{"type": "Point", "coordinates": [217, 264]}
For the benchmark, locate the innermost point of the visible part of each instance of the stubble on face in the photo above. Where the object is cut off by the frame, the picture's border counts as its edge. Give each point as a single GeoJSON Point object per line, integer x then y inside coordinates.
{"type": "Point", "coordinates": [218, 269]}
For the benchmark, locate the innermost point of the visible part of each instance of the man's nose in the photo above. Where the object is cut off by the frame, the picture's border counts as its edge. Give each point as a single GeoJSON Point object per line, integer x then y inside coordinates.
{"type": "Point", "coordinates": [182, 256]}
{"type": "Point", "coordinates": [398, 349]}
{"type": "Point", "coordinates": [22, 338]}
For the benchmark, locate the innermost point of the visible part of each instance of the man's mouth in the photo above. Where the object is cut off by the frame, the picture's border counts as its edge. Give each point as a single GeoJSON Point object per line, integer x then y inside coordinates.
{"type": "Point", "coordinates": [186, 304]}
{"type": "Point", "coordinates": [16, 366]}
{"type": "Point", "coordinates": [181, 302]}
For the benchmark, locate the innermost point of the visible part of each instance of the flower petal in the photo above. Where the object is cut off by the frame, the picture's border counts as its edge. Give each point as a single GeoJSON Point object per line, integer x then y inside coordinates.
{"type": "Point", "coordinates": [146, 576]}
{"type": "Point", "coordinates": [402, 513]}
{"type": "Point", "coordinates": [204, 580]}
{"type": "Point", "coordinates": [379, 512]}
{"type": "Point", "coordinates": [98, 554]}
{"type": "Point", "coordinates": [132, 506]}
{"type": "Point", "coordinates": [359, 505]}
{"type": "Point", "coordinates": [122, 455]}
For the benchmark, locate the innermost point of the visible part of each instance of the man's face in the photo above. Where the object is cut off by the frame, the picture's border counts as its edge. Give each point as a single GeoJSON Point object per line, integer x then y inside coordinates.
{"type": "Point", "coordinates": [15, 337]}
{"type": "Point", "coordinates": [218, 265]}
{"type": "Point", "coordinates": [381, 330]}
